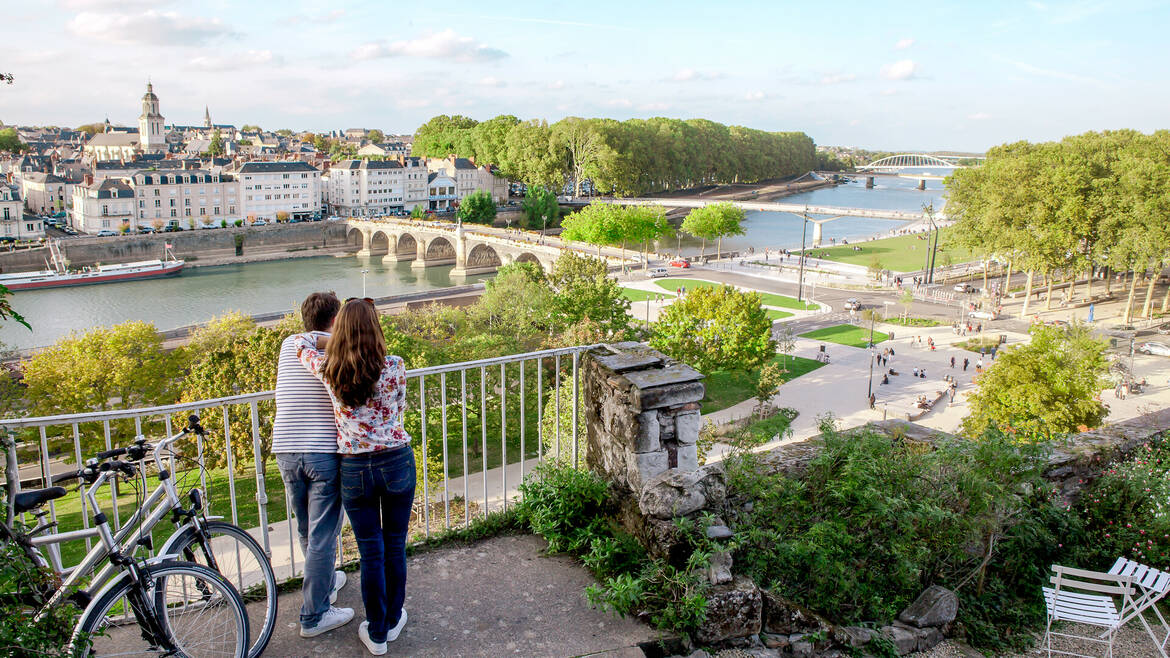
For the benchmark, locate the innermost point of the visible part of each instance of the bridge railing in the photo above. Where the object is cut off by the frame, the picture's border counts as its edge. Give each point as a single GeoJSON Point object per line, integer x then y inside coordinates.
{"type": "Point", "coordinates": [480, 428]}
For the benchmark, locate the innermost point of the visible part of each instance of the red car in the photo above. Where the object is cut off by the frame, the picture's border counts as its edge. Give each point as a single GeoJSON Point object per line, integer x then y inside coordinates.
{"type": "Point", "coordinates": [680, 263]}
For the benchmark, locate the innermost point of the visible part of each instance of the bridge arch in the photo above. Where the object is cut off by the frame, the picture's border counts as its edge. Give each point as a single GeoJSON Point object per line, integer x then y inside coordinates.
{"type": "Point", "coordinates": [909, 160]}
{"type": "Point", "coordinates": [529, 257]}
{"type": "Point", "coordinates": [356, 238]}
{"type": "Point", "coordinates": [406, 247]}
{"type": "Point", "coordinates": [379, 243]}
{"type": "Point", "coordinates": [440, 248]}
{"type": "Point", "coordinates": [482, 255]}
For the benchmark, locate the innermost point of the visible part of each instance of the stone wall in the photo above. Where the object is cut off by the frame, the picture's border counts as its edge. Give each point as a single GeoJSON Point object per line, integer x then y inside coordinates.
{"type": "Point", "coordinates": [190, 245]}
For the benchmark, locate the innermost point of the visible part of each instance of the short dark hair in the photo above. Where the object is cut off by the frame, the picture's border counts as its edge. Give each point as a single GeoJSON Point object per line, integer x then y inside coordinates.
{"type": "Point", "coordinates": [318, 311]}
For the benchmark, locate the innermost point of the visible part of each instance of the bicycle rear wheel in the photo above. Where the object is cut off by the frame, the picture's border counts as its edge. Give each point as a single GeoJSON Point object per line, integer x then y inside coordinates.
{"type": "Point", "coordinates": [239, 557]}
{"type": "Point", "coordinates": [192, 608]}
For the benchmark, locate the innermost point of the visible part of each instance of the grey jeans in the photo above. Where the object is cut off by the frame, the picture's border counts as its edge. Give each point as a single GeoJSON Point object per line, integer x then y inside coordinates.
{"type": "Point", "coordinates": [312, 480]}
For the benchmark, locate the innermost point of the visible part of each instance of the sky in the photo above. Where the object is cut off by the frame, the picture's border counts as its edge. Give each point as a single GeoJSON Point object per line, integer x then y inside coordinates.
{"type": "Point", "coordinates": [902, 76]}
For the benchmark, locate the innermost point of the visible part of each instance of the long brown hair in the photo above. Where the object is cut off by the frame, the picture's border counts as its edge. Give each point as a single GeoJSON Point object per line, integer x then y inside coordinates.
{"type": "Point", "coordinates": [356, 353]}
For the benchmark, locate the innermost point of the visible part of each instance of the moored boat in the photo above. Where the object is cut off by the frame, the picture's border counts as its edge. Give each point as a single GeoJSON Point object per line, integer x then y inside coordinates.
{"type": "Point", "coordinates": [57, 275]}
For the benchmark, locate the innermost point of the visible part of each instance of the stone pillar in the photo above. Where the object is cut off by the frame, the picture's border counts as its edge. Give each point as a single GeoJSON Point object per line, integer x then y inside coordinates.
{"type": "Point", "coordinates": [365, 250]}
{"type": "Point", "coordinates": [922, 183]}
{"type": "Point", "coordinates": [420, 253]}
{"type": "Point", "coordinates": [641, 414]}
{"type": "Point", "coordinates": [817, 237]}
{"type": "Point", "coordinates": [869, 182]}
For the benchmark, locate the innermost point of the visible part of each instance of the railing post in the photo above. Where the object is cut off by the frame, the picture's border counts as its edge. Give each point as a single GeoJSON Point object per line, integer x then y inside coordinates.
{"type": "Point", "coordinates": [261, 488]}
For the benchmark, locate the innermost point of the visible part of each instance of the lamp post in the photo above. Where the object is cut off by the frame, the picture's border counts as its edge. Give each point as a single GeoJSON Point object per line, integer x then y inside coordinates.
{"type": "Point", "coordinates": [803, 233]}
{"type": "Point", "coordinates": [869, 395]}
{"type": "Point", "coordinates": [928, 266]}
{"type": "Point", "coordinates": [364, 273]}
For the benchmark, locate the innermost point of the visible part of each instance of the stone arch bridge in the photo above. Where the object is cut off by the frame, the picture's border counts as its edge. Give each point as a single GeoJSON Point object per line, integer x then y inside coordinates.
{"type": "Point", "coordinates": [430, 244]}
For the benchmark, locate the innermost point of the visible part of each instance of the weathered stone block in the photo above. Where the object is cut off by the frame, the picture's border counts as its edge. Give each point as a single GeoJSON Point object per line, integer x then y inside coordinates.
{"type": "Point", "coordinates": [773, 641]}
{"type": "Point", "coordinates": [802, 649]}
{"type": "Point", "coordinates": [936, 606]}
{"type": "Point", "coordinates": [733, 610]}
{"type": "Point", "coordinates": [782, 616]}
{"type": "Point", "coordinates": [686, 427]}
{"type": "Point", "coordinates": [719, 571]}
{"type": "Point", "coordinates": [903, 639]}
{"type": "Point", "coordinates": [675, 373]}
{"type": "Point", "coordinates": [668, 396]}
{"type": "Point", "coordinates": [645, 466]}
{"type": "Point", "coordinates": [854, 636]}
{"type": "Point", "coordinates": [719, 532]}
{"type": "Point", "coordinates": [928, 638]}
{"type": "Point", "coordinates": [687, 458]}
{"type": "Point", "coordinates": [648, 431]}
{"type": "Point", "coordinates": [678, 493]}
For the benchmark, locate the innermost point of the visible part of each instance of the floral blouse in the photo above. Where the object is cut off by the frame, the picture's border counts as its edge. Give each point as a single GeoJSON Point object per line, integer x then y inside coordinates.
{"type": "Point", "coordinates": [377, 424]}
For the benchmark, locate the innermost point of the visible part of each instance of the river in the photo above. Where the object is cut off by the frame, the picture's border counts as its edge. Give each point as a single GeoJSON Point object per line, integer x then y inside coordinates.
{"type": "Point", "coordinates": [199, 294]}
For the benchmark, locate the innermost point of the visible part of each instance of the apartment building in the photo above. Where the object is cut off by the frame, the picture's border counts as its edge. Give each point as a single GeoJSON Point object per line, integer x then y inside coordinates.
{"type": "Point", "coordinates": [270, 188]}
{"type": "Point", "coordinates": [188, 198]}
{"type": "Point", "coordinates": [44, 194]}
{"type": "Point", "coordinates": [106, 205]}
{"type": "Point", "coordinates": [371, 188]}
{"type": "Point", "coordinates": [13, 222]}
{"type": "Point", "coordinates": [469, 178]}
{"type": "Point", "coordinates": [442, 191]}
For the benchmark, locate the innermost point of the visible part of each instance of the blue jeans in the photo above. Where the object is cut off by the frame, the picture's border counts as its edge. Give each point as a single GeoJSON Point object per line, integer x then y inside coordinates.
{"type": "Point", "coordinates": [312, 480]}
{"type": "Point", "coordinates": [378, 491]}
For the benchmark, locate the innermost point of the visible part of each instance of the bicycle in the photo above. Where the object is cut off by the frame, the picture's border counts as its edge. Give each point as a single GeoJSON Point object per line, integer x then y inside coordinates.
{"type": "Point", "coordinates": [180, 608]}
{"type": "Point", "coordinates": [198, 538]}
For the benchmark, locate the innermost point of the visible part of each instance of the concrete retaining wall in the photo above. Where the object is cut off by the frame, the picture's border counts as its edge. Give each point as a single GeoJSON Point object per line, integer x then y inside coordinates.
{"type": "Point", "coordinates": [188, 245]}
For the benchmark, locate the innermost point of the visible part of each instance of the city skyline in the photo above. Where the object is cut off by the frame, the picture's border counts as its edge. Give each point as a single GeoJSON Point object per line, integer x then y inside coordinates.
{"type": "Point", "coordinates": [884, 77]}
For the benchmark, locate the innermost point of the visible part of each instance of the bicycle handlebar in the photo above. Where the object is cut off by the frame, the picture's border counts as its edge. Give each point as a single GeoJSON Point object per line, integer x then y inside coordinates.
{"type": "Point", "coordinates": [116, 452]}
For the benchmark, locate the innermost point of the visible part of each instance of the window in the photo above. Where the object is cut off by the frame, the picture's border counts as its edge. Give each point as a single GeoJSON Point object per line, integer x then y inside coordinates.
{"type": "Point", "coordinates": [105, 223]}
{"type": "Point", "coordinates": [284, 176]}
{"type": "Point", "coordinates": [172, 203]}
{"type": "Point", "coordinates": [186, 202]}
{"type": "Point", "coordinates": [6, 217]}
{"type": "Point", "coordinates": [203, 211]}
{"type": "Point", "coordinates": [172, 212]}
{"type": "Point", "coordinates": [215, 210]}
{"type": "Point", "coordinates": [187, 212]}
{"type": "Point", "coordinates": [156, 191]}
{"type": "Point", "coordinates": [105, 209]}
{"type": "Point", "coordinates": [157, 203]}
{"type": "Point", "coordinates": [231, 210]}
{"type": "Point", "coordinates": [30, 227]}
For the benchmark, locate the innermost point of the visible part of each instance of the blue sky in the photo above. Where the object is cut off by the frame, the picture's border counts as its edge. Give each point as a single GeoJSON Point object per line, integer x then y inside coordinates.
{"type": "Point", "coordinates": [930, 75]}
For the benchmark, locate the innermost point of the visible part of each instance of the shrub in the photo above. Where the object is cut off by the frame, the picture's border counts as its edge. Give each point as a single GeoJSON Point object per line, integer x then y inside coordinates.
{"type": "Point", "coordinates": [1126, 512]}
{"type": "Point", "coordinates": [565, 505]}
{"type": "Point", "coordinates": [25, 588]}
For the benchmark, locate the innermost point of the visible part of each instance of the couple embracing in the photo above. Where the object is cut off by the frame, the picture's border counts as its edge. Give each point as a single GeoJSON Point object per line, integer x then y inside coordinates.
{"type": "Point", "coordinates": [339, 442]}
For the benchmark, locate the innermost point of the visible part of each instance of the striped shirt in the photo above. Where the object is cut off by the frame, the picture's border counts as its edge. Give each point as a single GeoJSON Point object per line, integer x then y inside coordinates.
{"type": "Point", "coordinates": [304, 412]}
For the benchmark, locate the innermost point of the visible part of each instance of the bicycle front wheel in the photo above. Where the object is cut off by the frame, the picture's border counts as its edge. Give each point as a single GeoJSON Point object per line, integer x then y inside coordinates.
{"type": "Point", "coordinates": [231, 551]}
{"type": "Point", "coordinates": [180, 608]}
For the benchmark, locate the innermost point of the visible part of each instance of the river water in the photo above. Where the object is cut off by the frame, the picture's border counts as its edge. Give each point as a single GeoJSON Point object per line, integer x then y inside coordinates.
{"type": "Point", "coordinates": [200, 294]}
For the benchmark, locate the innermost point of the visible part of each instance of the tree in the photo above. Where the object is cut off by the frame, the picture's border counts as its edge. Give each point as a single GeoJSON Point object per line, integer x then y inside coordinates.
{"type": "Point", "coordinates": [92, 129]}
{"type": "Point", "coordinates": [282, 215]}
{"type": "Point", "coordinates": [284, 132]}
{"type": "Point", "coordinates": [1050, 385]}
{"type": "Point", "coordinates": [10, 141]}
{"type": "Point", "coordinates": [716, 328]}
{"type": "Point", "coordinates": [376, 136]}
{"type": "Point", "coordinates": [531, 156]}
{"type": "Point", "coordinates": [907, 299]}
{"type": "Point", "coordinates": [540, 207]}
{"type": "Point", "coordinates": [785, 343]}
{"type": "Point", "coordinates": [582, 146]}
{"type": "Point", "coordinates": [584, 291]}
{"type": "Point", "coordinates": [713, 222]}
{"type": "Point", "coordinates": [123, 366]}
{"type": "Point", "coordinates": [215, 148]}
{"type": "Point", "coordinates": [477, 208]}
{"type": "Point", "coordinates": [250, 128]}
{"type": "Point", "coordinates": [320, 143]}
{"type": "Point", "coordinates": [417, 212]}
{"type": "Point", "coordinates": [768, 383]}
{"type": "Point", "coordinates": [517, 302]}
{"type": "Point", "coordinates": [644, 225]}
{"type": "Point", "coordinates": [595, 224]}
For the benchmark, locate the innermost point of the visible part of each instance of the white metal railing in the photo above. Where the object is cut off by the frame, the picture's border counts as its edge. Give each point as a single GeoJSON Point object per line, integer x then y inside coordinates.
{"type": "Point", "coordinates": [502, 381]}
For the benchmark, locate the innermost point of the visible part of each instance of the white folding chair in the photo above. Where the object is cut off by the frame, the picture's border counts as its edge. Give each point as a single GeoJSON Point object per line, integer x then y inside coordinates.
{"type": "Point", "coordinates": [1151, 586]}
{"type": "Point", "coordinates": [1086, 597]}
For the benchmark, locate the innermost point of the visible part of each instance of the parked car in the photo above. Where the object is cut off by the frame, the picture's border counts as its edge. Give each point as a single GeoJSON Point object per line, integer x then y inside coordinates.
{"type": "Point", "coordinates": [1157, 349]}
{"type": "Point", "coordinates": [1164, 329]}
{"type": "Point", "coordinates": [5, 239]}
{"type": "Point", "coordinates": [656, 272]}
{"type": "Point", "coordinates": [983, 315]}
{"type": "Point", "coordinates": [106, 233]}
{"type": "Point", "coordinates": [259, 222]}
{"type": "Point", "coordinates": [146, 229]}
{"type": "Point", "coordinates": [171, 228]}
{"type": "Point", "coordinates": [852, 304]}
{"type": "Point", "coordinates": [680, 263]}
{"type": "Point", "coordinates": [965, 287]}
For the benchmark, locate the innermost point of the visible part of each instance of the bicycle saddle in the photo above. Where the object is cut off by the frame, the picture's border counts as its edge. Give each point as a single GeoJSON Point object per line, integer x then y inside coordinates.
{"type": "Point", "coordinates": [34, 498]}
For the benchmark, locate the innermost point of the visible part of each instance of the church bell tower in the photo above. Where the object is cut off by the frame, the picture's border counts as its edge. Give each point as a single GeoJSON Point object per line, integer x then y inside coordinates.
{"type": "Point", "coordinates": [151, 136]}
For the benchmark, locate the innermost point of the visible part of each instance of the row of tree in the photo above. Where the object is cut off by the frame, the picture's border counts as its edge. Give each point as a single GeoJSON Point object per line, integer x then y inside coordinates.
{"type": "Point", "coordinates": [624, 158]}
{"type": "Point", "coordinates": [613, 225]}
{"type": "Point", "coordinates": [1090, 204]}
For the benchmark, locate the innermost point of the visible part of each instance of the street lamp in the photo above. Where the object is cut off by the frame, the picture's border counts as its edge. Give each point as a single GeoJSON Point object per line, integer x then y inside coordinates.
{"type": "Point", "coordinates": [803, 233]}
{"type": "Point", "coordinates": [928, 267]}
{"type": "Point", "coordinates": [364, 273]}
{"type": "Point", "coordinates": [872, 356]}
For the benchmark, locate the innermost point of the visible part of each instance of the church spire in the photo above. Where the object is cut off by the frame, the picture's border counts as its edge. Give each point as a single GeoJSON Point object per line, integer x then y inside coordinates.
{"type": "Point", "coordinates": [206, 117]}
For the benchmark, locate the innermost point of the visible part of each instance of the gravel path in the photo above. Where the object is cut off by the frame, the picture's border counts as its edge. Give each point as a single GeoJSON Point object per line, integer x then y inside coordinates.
{"type": "Point", "coordinates": [1131, 642]}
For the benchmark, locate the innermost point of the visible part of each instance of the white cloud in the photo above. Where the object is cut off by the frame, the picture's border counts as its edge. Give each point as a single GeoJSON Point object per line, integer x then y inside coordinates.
{"type": "Point", "coordinates": [434, 45]}
{"type": "Point", "coordinates": [231, 62]}
{"type": "Point", "coordinates": [903, 44]}
{"type": "Point", "coordinates": [151, 27]}
{"type": "Point", "coordinates": [491, 81]}
{"type": "Point", "coordinates": [693, 75]}
{"type": "Point", "coordinates": [838, 78]}
{"type": "Point", "coordinates": [901, 70]}
{"type": "Point", "coordinates": [979, 116]}
{"type": "Point", "coordinates": [619, 102]}
{"type": "Point", "coordinates": [556, 84]}
{"type": "Point", "coordinates": [754, 96]}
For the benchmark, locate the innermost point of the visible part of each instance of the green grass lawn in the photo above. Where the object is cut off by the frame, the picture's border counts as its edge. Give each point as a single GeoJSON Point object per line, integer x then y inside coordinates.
{"type": "Point", "coordinates": [846, 334]}
{"type": "Point", "coordinates": [766, 298]}
{"type": "Point", "coordinates": [638, 295]}
{"type": "Point", "coordinates": [904, 253]}
{"type": "Point", "coordinates": [773, 314]}
{"type": "Point", "coordinates": [726, 388]}
{"type": "Point", "coordinates": [912, 322]}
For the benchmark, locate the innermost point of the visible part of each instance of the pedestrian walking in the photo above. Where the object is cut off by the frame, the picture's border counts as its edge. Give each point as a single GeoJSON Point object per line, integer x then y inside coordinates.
{"type": "Point", "coordinates": [965, 362]}
{"type": "Point", "coordinates": [952, 362]}
{"type": "Point", "coordinates": [994, 348]}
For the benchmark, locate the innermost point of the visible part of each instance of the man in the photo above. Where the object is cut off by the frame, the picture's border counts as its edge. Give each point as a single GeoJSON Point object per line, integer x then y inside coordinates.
{"type": "Point", "coordinates": [304, 441]}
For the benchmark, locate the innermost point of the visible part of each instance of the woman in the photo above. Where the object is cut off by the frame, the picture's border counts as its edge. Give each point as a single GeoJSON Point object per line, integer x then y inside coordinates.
{"type": "Point", "coordinates": [368, 389]}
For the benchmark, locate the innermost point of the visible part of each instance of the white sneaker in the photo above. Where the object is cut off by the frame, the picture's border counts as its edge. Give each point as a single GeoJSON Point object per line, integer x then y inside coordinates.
{"type": "Point", "coordinates": [333, 618]}
{"type": "Point", "coordinates": [339, 581]}
{"type": "Point", "coordinates": [375, 648]}
{"type": "Point", "coordinates": [379, 648]}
